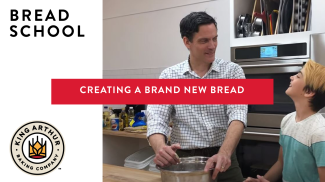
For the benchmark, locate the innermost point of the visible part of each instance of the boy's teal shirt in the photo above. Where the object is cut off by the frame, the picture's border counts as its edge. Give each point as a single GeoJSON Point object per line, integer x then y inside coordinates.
{"type": "Point", "coordinates": [303, 145]}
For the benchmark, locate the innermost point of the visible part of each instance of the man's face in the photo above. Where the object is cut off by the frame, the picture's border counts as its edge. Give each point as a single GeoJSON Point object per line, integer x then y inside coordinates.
{"type": "Point", "coordinates": [296, 87]}
{"type": "Point", "coordinates": [204, 43]}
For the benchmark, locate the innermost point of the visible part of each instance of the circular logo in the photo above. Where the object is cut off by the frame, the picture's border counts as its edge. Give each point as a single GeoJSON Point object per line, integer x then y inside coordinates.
{"type": "Point", "coordinates": [37, 148]}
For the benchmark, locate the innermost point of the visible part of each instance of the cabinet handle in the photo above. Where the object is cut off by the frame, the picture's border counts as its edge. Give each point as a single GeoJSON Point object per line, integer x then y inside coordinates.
{"type": "Point", "coordinates": [258, 133]}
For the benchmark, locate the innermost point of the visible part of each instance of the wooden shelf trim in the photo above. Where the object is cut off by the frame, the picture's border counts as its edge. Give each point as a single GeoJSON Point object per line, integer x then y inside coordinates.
{"type": "Point", "coordinates": [125, 134]}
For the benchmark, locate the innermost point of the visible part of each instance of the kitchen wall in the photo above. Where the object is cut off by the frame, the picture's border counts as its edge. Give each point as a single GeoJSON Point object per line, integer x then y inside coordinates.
{"type": "Point", "coordinates": [140, 39]}
{"type": "Point", "coordinates": [148, 36]}
{"type": "Point", "coordinates": [132, 74]}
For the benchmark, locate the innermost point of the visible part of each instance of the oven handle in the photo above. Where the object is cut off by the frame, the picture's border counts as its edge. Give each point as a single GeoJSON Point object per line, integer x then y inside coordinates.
{"type": "Point", "coordinates": [271, 65]}
{"type": "Point", "coordinates": [258, 133]}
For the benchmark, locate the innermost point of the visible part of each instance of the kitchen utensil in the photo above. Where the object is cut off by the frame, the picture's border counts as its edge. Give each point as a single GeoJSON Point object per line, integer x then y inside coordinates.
{"type": "Point", "coordinates": [190, 169]}
{"type": "Point", "coordinates": [269, 7]}
{"type": "Point", "coordinates": [278, 24]}
{"type": "Point", "coordinates": [257, 27]}
{"type": "Point", "coordinates": [273, 20]}
{"type": "Point", "coordinates": [307, 16]}
{"type": "Point", "coordinates": [247, 29]}
{"type": "Point", "coordinates": [297, 15]}
{"type": "Point", "coordinates": [296, 6]}
{"type": "Point", "coordinates": [257, 8]}
{"type": "Point", "coordinates": [243, 30]}
{"type": "Point", "coordinates": [239, 26]}
{"type": "Point", "coordinates": [255, 34]}
{"type": "Point", "coordinates": [286, 15]}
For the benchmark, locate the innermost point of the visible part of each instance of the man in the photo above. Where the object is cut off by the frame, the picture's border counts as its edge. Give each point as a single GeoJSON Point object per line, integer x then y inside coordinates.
{"type": "Point", "coordinates": [199, 130]}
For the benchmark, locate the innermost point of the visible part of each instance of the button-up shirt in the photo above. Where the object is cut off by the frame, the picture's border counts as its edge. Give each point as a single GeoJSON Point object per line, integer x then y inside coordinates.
{"type": "Point", "coordinates": [197, 126]}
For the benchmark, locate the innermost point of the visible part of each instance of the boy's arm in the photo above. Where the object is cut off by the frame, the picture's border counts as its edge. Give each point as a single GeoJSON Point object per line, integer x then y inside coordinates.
{"type": "Point", "coordinates": [276, 170]}
{"type": "Point", "coordinates": [321, 173]}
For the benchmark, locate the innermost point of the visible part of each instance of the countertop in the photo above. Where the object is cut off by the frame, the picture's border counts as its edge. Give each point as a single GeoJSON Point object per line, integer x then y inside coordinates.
{"type": "Point", "coordinates": [112, 173]}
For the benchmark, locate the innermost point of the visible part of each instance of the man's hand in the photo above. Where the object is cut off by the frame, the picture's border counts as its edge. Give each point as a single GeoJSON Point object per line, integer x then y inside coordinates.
{"type": "Point", "coordinates": [166, 155]}
{"type": "Point", "coordinates": [259, 179]}
{"type": "Point", "coordinates": [222, 161]}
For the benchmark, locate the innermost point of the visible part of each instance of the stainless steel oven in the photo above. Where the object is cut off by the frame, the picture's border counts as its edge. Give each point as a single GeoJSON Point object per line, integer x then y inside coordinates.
{"type": "Point", "coordinates": [264, 120]}
{"type": "Point", "coordinates": [277, 62]}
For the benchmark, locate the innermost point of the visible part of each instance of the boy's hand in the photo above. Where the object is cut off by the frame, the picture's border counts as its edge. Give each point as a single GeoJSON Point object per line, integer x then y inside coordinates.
{"type": "Point", "coordinates": [259, 179]}
{"type": "Point", "coordinates": [262, 179]}
{"type": "Point", "coordinates": [249, 179]}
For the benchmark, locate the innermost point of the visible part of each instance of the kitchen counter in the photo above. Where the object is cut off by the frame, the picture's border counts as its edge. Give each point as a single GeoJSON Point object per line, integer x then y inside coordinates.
{"type": "Point", "coordinates": [113, 173]}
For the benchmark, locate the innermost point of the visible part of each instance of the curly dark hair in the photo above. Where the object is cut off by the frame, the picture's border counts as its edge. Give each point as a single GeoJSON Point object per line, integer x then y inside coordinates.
{"type": "Point", "coordinates": [190, 24]}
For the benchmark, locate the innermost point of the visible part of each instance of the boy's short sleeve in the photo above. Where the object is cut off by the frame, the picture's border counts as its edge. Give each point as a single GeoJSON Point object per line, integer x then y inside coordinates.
{"type": "Point", "coordinates": [318, 146]}
{"type": "Point", "coordinates": [284, 122]}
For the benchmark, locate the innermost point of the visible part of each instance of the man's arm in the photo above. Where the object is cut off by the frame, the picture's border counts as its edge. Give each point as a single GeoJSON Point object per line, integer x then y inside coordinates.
{"type": "Point", "coordinates": [157, 141]}
{"type": "Point", "coordinates": [237, 115]}
{"type": "Point", "coordinates": [165, 155]}
{"type": "Point", "coordinates": [158, 119]}
{"type": "Point", "coordinates": [233, 136]}
{"type": "Point", "coordinates": [222, 159]}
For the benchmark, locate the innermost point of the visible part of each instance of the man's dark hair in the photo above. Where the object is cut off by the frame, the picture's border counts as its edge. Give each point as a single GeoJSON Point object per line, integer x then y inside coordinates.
{"type": "Point", "coordinates": [190, 24]}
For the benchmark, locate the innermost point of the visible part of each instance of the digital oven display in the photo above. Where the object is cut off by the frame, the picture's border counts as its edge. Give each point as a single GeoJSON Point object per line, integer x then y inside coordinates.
{"type": "Point", "coordinates": [268, 52]}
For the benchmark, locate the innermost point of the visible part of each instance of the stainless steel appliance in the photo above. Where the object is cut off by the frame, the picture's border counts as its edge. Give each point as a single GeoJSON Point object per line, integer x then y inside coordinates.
{"type": "Point", "coordinates": [278, 62]}
{"type": "Point", "coordinates": [190, 169]}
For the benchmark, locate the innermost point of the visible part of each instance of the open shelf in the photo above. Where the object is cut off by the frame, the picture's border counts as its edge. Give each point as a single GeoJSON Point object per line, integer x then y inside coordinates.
{"type": "Point", "coordinates": [243, 7]}
{"type": "Point", "coordinates": [125, 134]}
{"type": "Point", "coordinates": [296, 37]}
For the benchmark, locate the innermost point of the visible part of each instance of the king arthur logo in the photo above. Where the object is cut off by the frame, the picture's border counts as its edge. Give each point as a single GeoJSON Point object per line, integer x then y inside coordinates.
{"type": "Point", "coordinates": [37, 148]}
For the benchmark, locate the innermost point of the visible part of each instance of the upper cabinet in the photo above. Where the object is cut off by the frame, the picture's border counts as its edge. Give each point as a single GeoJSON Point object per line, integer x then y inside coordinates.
{"type": "Point", "coordinates": [274, 21]}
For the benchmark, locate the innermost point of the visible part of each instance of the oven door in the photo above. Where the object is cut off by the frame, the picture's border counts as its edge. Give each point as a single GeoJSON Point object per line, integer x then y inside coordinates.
{"type": "Point", "coordinates": [263, 121]}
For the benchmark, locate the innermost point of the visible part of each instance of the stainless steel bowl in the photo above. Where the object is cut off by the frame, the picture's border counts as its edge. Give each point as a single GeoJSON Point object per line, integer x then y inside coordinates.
{"type": "Point", "coordinates": [190, 169]}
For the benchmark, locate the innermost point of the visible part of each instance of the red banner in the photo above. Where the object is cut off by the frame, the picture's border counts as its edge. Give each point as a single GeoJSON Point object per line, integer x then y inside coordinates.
{"type": "Point", "coordinates": [162, 91]}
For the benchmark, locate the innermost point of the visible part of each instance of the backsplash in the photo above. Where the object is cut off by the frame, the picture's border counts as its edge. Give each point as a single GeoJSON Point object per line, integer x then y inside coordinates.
{"type": "Point", "coordinates": [132, 74]}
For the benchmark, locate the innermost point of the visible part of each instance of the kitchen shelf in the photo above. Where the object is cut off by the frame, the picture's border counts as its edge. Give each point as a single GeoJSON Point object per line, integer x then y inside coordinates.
{"type": "Point", "coordinates": [240, 7]}
{"type": "Point", "coordinates": [125, 134]}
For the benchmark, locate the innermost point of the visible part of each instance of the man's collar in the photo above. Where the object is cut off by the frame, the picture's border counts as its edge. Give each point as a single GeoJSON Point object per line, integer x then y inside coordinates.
{"type": "Point", "coordinates": [187, 67]}
{"type": "Point", "coordinates": [215, 66]}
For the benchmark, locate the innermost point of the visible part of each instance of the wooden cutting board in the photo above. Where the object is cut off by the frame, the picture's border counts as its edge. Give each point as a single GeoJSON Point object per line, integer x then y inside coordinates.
{"type": "Point", "coordinates": [113, 173]}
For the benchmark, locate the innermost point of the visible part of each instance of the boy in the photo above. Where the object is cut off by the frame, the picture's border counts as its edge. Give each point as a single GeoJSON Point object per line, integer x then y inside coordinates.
{"type": "Point", "coordinates": [302, 138]}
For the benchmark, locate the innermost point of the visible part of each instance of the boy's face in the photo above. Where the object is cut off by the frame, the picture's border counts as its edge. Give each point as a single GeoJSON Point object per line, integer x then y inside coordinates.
{"type": "Point", "coordinates": [297, 84]}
